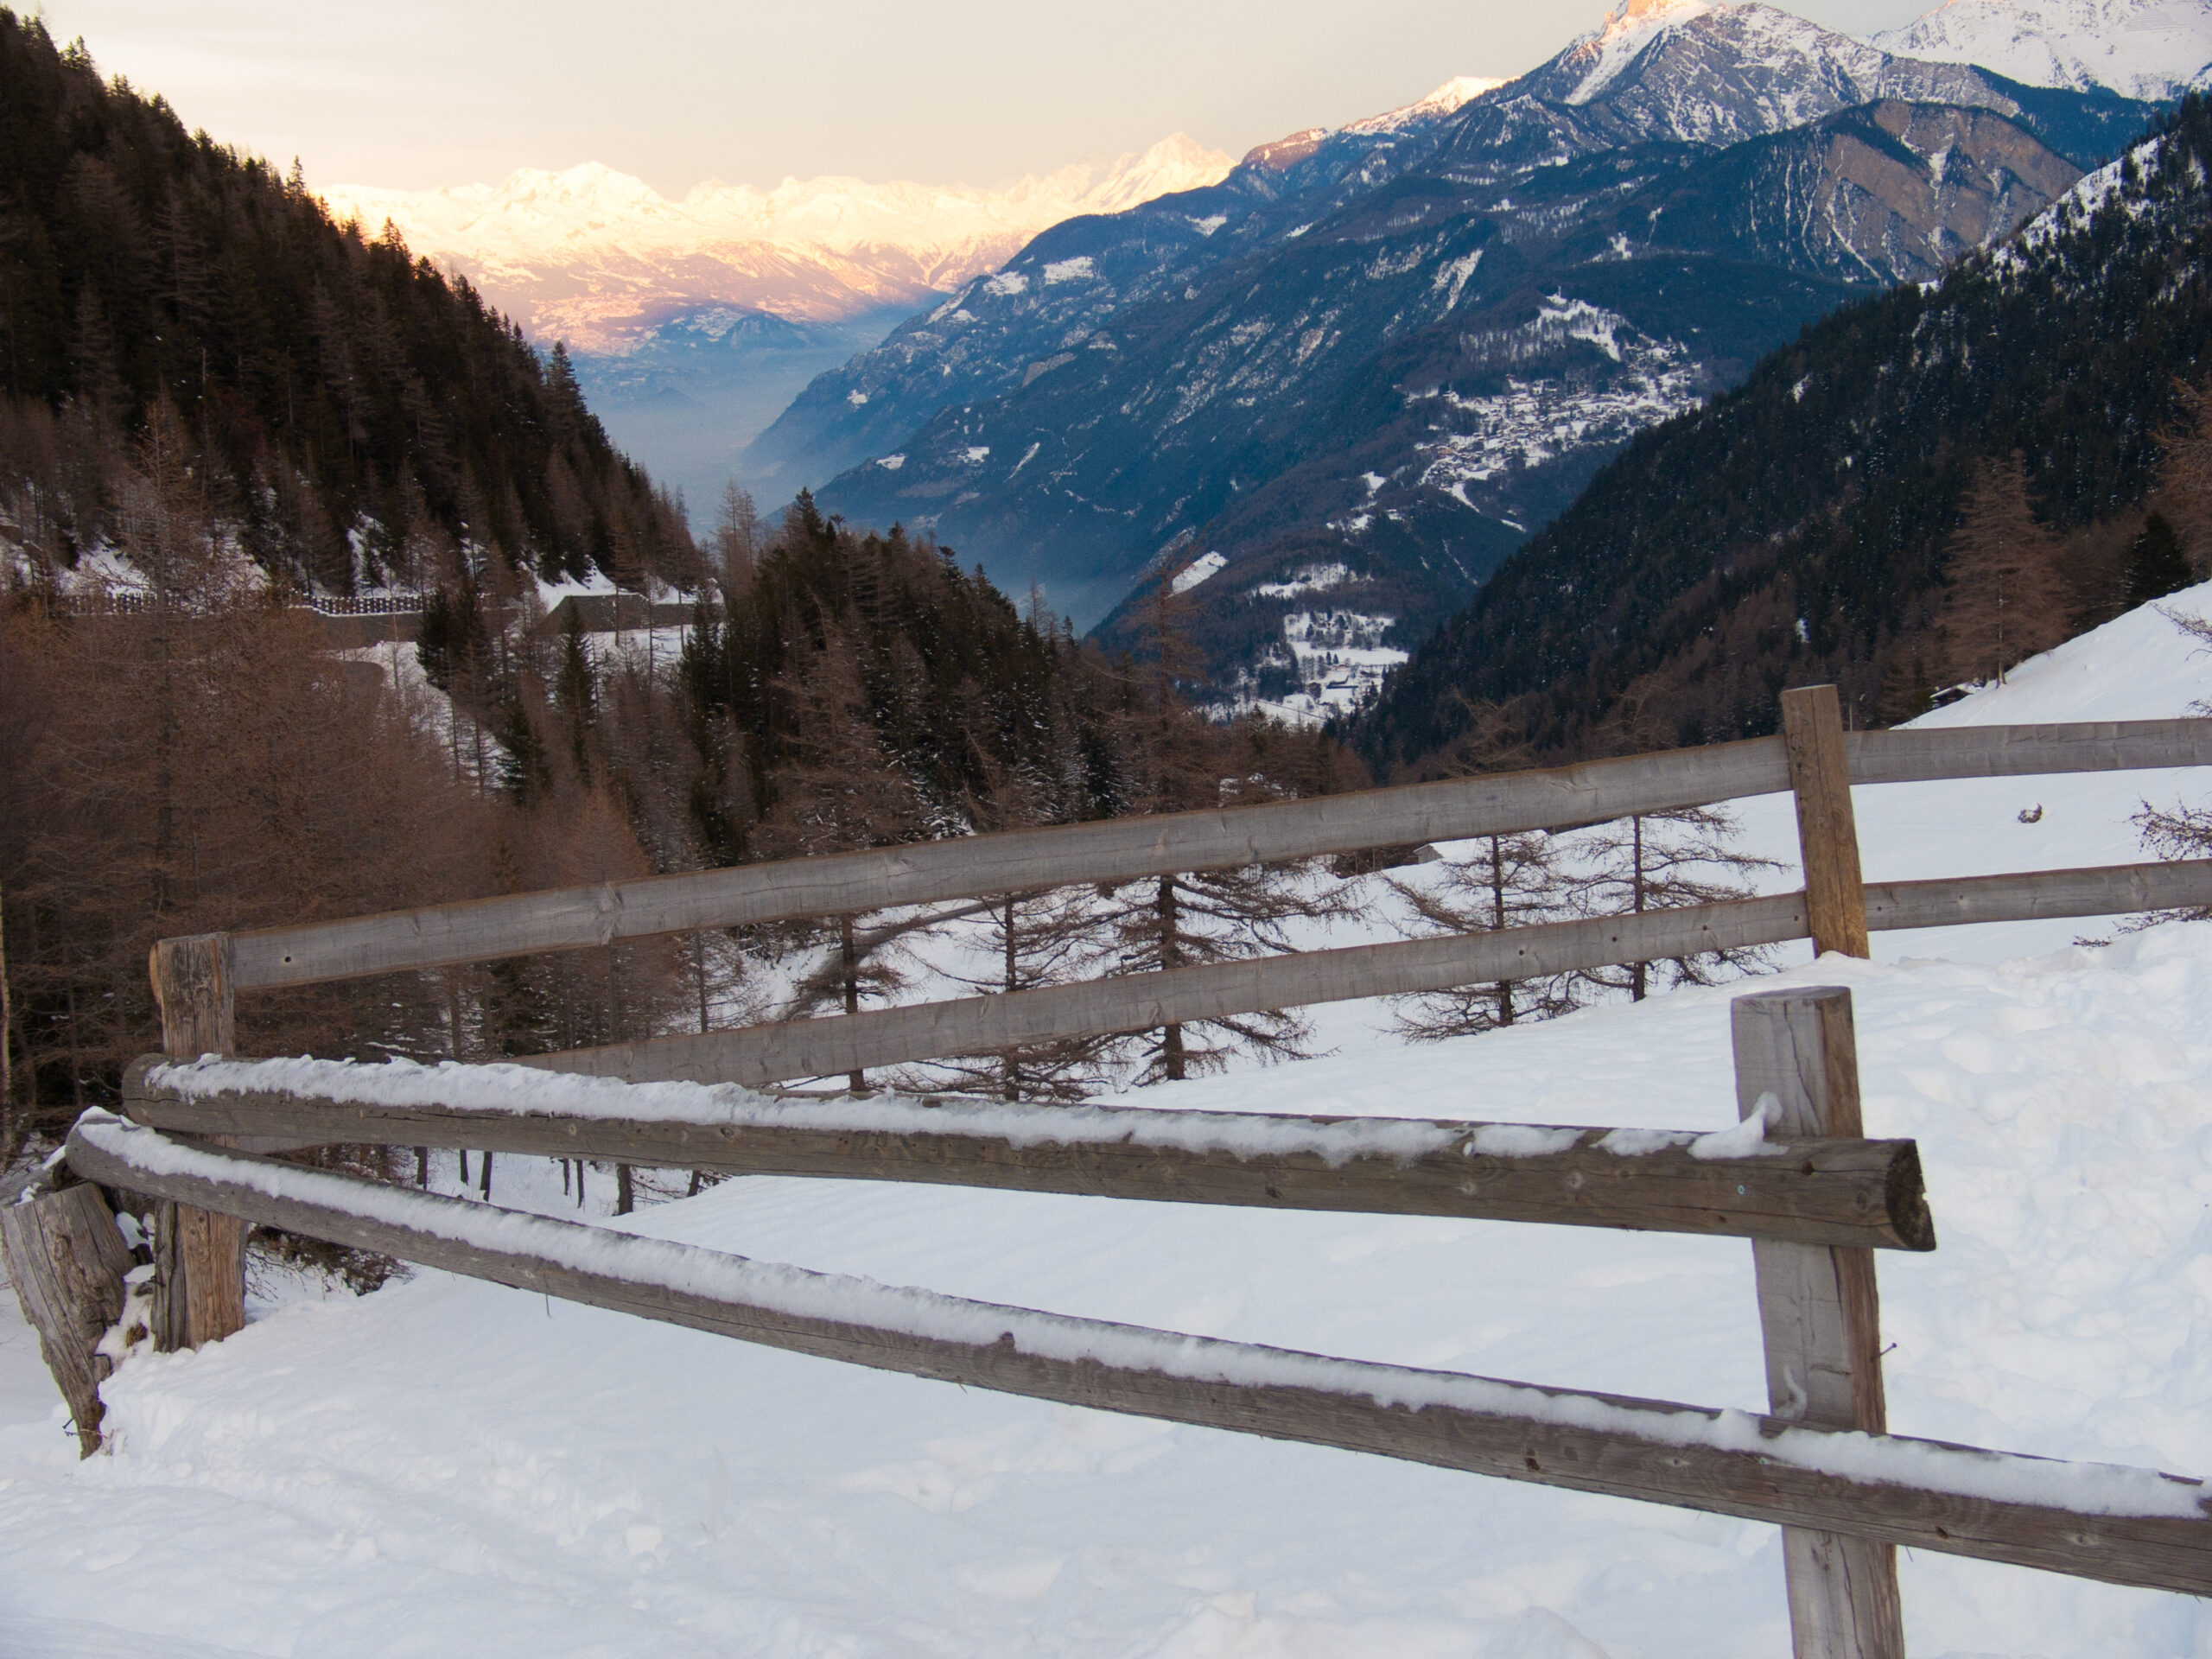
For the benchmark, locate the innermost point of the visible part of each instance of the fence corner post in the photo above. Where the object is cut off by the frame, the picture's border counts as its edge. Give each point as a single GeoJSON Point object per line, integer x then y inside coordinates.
{"type": "Point", "coordinates": [1797, 1062]}
{"type": "Point", "coordinates": [1828, 831]}
{"type": "Point", "coordinates": [200, 1257]}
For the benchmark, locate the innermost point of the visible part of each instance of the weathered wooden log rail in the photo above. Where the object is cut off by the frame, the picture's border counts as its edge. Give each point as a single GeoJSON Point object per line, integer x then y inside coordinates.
{"type": "Point", "coordinates": [2125, 1526]}
{"type": "Point", "coordinates": [197, 979]}
{"type": "Point", "coordinates": [1125, 849]}
{"type": "Point", "coordinates": [1812, 1190]}
{"type": "Point", "coordinates": [982, 1025]}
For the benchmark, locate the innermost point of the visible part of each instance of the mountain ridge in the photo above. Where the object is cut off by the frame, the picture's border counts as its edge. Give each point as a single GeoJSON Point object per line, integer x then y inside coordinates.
{"type": "Point", "coordinates": [1800, 526]}
{"type": "Point", "coordinates": [2141, 48]}
{"type": "Point", "coordinates": [1310, 361]}
{"type": "Point", "coordinates": [597, 258]}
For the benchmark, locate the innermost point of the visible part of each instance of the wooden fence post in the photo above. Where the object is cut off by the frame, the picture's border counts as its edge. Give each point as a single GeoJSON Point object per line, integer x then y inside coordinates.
{"type": "Point", "coordinates": [1827, 834]}
{"type": "Point", "coordinates": [199, 1285]}
{"type": "Point", "coordinates": [68, 1262]}
{"type": "Point", "coordinates": [1797, 1062]}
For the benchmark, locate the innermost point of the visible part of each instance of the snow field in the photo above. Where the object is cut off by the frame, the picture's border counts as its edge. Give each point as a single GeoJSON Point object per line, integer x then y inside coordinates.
{"type": "Point", "coordinates": [519, 1471]}
{"type": "Point", "coordinates": [447, 1465]}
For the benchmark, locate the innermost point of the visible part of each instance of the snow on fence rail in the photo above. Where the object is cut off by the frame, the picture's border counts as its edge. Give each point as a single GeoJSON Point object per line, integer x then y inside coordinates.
{"type": "Point", "coordinates": [1738, 1183]}
{"type": "Point", "coordinates": [2126, 1526]}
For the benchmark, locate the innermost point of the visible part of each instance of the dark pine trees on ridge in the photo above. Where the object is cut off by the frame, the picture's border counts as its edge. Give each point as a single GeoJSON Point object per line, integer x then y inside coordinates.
{"type": "Point", "coordinates": [335, 389]}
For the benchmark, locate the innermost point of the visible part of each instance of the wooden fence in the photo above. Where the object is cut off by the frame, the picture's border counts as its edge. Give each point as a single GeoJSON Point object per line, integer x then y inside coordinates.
{"type": "Point", "coordinates": [197, 979]}
{"type": "Point", "coordinates": [1125, 849]}
{"type": "Point", "coordinates": [1815, 1217]}
{"type": "Point", "coordinates": [1815, 1196]}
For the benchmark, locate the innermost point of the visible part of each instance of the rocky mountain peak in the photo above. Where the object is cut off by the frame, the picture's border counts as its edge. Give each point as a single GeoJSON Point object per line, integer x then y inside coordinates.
{"type": "Point", "coordinates": [1601, 55]}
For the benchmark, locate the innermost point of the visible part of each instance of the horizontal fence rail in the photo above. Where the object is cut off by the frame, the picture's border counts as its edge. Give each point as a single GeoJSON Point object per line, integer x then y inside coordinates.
{"type": "Point", "coordinates": [982, 1025]}
{"type": "Point", "coordinates": [1833, 1191]}
{"type": "Point", "coordinates": [1123, 849]}
{"type": "Point", "coordinates": [2129, 1527]}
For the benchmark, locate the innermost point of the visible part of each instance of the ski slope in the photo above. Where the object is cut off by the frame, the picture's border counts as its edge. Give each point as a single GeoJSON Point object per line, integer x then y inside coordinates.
{"type": "Point", "coordinates": [447, 1467]}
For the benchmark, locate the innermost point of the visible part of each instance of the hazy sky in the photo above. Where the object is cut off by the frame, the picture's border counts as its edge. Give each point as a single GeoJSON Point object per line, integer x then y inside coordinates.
{"type": "Point", "coordinates": [419, 93]}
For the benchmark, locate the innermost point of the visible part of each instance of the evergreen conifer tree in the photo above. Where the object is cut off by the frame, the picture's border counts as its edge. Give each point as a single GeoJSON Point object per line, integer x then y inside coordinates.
{"type": "Point", "coordinates": [2155, 565]}
{"type": "Point", "coordinates": [2004, 600]}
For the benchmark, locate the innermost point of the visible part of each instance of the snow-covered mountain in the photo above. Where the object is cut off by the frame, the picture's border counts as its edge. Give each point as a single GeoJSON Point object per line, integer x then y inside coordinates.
{"type": "Point", "coordinates": [1400, 350]}
{"type": "Point", "coordinates": [1447, 100]}
{"type": "Point", "coordinates": [598, 257]}
{"type": "Point", "coordinates": [2141, 48]}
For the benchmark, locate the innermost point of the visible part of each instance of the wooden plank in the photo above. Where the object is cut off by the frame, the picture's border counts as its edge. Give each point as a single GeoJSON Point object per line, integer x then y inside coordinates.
{"type": "Point", "coordinates": [66, 1262]}
{"type": "Point", "coordinates": [1827, 834]}
{"type": "Point", "coordinates": [200, 1257]}
{"type": "Point", "coordinates": [1646, 1450]}
{"type": "Point", "coordinates": [1919, 755]}
{"type": "Point", "coordinates": [1014, 861]}
{"type": "Point", "coordinates": [1814, 1190]}
{"type": "Point", "coordinates": [983, 1024]}
{"type": "Point", "coordinates": [1125, 849]}
{"type": "Point", "coordinates": [2040, 895]}
{"type": "Point", "coordinates": [1797, 1064]}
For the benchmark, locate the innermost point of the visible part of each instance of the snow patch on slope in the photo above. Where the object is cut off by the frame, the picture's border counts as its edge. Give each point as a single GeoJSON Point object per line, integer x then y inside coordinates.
{"type": "Point", "coordinates": [1199, 569]}
{"type": "Point", "coordinates": [1615, 44]}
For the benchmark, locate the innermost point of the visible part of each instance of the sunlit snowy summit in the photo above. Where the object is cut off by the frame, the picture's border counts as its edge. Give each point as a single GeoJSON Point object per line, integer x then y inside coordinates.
{"type": "Point", "coordinates": [595, 256]}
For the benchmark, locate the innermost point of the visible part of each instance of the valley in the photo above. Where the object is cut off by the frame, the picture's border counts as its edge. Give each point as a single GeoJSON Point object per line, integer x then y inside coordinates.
{"type": "Point", "coordinates": [1477, 308]}
{"type": "Point", "coordinates": [1405, 346]}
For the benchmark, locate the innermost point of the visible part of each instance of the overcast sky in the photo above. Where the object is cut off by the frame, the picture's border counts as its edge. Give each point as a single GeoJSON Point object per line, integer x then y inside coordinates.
{"type": "Point", "coordinates": [413, 93]}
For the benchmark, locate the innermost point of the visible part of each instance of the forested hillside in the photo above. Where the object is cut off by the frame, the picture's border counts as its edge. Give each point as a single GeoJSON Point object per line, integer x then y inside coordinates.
{"type": "Point", "coordinates": [352, 405]}
{"type": "Point", "coordinates": [2022, 435]}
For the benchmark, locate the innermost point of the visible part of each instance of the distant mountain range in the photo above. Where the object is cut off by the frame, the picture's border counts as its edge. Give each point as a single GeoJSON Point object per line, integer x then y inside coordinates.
{"type": "Point", "coordinates": [1327, 390]}
{"type": "Point", "coordinates": [692, 323]}
{"type": "Point", "coordinates": [599, 259]}
{"type": "Point", "coordinates": [1329, 394]}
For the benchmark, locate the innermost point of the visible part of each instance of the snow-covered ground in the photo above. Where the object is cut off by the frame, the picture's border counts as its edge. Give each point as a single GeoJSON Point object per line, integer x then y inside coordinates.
{"type": "Point", "coordinates": [447, 1467]}
{"type": "Point", "coordinates": [2139, 667]}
